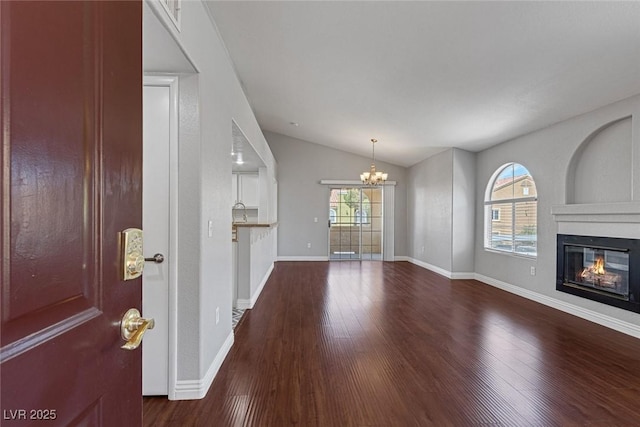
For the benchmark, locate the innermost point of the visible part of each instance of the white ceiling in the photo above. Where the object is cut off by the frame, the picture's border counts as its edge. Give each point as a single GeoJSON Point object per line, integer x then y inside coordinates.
{"type": "Point", "coordinates": [423, 76]}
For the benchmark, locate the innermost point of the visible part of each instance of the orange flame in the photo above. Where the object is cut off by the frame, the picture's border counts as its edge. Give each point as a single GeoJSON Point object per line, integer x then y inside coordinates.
{"type": "Point", "coordinates": [597, 268]}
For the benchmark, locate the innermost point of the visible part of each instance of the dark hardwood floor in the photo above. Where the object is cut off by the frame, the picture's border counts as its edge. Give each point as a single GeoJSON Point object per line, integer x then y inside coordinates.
{"type": "Point", "coordinates": [391, 344]}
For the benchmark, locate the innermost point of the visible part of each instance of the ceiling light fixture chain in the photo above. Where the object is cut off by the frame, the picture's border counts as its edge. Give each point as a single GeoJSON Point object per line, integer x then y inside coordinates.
{"type": "Point", "coordinates": [373, 177]}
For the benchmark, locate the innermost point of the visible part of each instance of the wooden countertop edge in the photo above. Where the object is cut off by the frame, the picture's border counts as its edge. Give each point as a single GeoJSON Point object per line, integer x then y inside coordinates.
{"type": "Point", "coordinates": [254, 224]}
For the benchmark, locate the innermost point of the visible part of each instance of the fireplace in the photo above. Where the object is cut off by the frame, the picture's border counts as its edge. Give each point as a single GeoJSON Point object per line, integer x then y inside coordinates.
{"type": "Point", "coordinates": [603, 269]}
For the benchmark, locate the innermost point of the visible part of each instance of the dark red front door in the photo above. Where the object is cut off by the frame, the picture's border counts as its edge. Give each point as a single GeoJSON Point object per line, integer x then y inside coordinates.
{"type": "Point", "coordinates": [71, 180]}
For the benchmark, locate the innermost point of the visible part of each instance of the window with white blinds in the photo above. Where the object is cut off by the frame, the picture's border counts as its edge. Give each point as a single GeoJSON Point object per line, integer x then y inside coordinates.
{"type": "Point", "coordinates": [511, 211]}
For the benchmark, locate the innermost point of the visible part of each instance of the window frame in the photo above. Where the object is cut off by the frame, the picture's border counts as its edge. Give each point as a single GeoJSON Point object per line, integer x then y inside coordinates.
{"type": "Point", "coordinates": [513, 202]}
{"type": "Point", "coordinates": [333, 216]}
{"type": "Point", "coordinates": [361, 217]}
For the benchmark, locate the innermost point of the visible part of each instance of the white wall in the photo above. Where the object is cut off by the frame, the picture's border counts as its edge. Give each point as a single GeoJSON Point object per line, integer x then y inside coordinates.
{"type": "Point", "coordinates": [464, 212]}
{"type": "Point", "coordinates": [301, 197]}
{"type": "Point", "coordinates": [189, 217]}
{"type": "Point", "coordinates": [430, 185]}
{"type": "Point", "coordinates": [601, 169]}
{"type": "Point", "coordinates": [547, 154]}
{"type": "Point", "coordinates": [441, 208]}
{"type": "Point", "coordinates": [209, 101]}
{"type": "Point", "coordinates": [257, 247]}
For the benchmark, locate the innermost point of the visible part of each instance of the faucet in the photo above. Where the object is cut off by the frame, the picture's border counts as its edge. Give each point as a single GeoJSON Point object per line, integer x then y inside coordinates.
{"type": "Point", "coordinates": [239, 205]}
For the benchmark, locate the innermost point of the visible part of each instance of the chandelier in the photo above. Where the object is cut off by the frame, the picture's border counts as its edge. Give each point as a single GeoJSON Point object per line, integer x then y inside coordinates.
{"type": "Point", "coordinates": [372, 177]}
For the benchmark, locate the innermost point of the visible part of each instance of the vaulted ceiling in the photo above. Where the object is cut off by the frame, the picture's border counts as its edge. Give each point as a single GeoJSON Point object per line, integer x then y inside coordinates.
{"type": "Point", "coordinates": [423, 76]}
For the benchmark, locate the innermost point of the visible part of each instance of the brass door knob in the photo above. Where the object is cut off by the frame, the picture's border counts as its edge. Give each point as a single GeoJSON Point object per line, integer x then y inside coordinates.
{"type": "Point", "coordinates": [133, 327]}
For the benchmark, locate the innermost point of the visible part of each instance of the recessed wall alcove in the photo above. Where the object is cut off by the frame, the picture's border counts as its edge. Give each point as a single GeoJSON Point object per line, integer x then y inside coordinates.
{"type": "Point", "coordinates": [601, 168]}
{"type": "Point", "coordinates": [601, 217]}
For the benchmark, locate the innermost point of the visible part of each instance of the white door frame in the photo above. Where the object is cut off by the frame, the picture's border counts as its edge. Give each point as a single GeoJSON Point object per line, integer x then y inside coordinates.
{"type": "Point", "coordinates": [172, 257]}
{"type": "Point", "coordinates": [388, 213]}
{"type": "Point", "coordinates": [388, 221]}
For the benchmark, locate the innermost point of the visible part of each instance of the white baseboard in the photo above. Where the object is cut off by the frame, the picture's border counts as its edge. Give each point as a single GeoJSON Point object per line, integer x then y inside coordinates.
{"type": "Point", "coordinates": [583, 313]}
{"type": "Point", "coordinates": [303, 258]}
{"type": "Point", "coordinates": [441, 271]}
{"type": "Point", "coordinates": [197, 389]}
{"type": "Point", "coordinates": [245, 304]}
{"type": "Point", "coordinates": [463, 276]}
{"type": "Point", "coordinates": [431, 267]}
{"type": "Point", "coordinates": [401, 258]}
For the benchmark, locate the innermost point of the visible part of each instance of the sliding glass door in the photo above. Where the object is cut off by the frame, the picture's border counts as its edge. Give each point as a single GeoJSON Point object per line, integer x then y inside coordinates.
{"type": "Point", "coordinates": [355, 223]}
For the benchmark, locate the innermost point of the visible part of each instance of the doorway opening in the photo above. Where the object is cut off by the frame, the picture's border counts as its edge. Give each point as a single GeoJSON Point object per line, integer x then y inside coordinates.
{"type": "Point", "coordinates": [159, 221]}
{"type": "Point", "coordinates": [355, 223]}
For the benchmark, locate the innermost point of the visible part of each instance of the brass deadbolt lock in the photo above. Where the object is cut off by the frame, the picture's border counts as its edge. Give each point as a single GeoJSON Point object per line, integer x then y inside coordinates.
{"type": "Point", "coordinates": [132, 255]}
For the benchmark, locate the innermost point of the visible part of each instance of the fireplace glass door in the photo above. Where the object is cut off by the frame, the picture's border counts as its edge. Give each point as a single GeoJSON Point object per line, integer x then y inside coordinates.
{"type": "Point", "coordinates": [601, 269]}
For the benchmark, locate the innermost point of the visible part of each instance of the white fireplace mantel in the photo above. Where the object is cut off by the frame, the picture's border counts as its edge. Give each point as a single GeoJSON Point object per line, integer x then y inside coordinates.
{"type": "Point", "coordinates": [599, 219]}
{"type": "Point", "coordinates": [622, 212]}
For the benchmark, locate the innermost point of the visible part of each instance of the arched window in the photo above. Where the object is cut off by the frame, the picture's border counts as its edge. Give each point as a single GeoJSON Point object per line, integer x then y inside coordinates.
{"type": "Point", "coordinates": [361, 217]}
{"type": "Point", "coordinates": [511, 211]}
{"type": "Point", "coordinates": [333, 216]}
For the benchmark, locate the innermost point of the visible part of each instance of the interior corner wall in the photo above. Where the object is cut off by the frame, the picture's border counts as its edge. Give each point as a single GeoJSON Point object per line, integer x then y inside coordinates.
{"type": "Point", "coordinates": [547, 154]}
{"type": "Point", "coordinates": [441, 208]}
{"type": "Point", "coordinates": [301, 197]}
{"type": "Point", "coordinates": [463, 212]}
{"type": "Point", "coordinates": [430, 195]}
{"type": "Point", "coordinates": [204, 280]}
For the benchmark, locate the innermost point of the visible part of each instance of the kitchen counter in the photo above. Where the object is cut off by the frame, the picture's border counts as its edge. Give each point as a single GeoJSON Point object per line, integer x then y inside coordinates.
{"type": "Point", "coordinates": [254, 224]}
{"type": "Point", "coordinates": [255, 250]}
{"type": "Point", "coordinates": [236, 225]}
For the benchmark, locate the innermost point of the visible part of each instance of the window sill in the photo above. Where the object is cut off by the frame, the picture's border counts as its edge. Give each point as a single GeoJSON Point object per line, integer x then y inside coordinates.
{"type": "Point", "coordinates": [513, 254]}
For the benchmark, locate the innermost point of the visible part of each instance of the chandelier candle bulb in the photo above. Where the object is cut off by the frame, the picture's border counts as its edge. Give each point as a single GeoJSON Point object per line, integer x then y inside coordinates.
{"type": "Point", "coordinates": [373, 177]}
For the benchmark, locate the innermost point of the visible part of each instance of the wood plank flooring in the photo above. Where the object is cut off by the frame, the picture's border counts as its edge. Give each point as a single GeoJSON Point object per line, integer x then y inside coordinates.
{"type": "Point", "coordinates": [391, 344]}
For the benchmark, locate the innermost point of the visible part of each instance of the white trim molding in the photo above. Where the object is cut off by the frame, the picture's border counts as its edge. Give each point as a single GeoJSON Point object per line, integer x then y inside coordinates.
{"type": "Point", "coordinates": [622, 212]}
{"type": "Point", "coordinates": [172, 82]}
{"type": "Point", "coordinates": [351, 182]}
{"type": "Point", "coordinates": [197, 389]}
{"type": "Point", "coordinates": [245, 304]}
{"type": "Point", "coordinates": [173, 10]}
{"type": "Point", "coordinates": [441, 271]}
{"type": "Point", "coordinates": [388, 222]}
{"type": "Point", "coordinates": [583, 313]}
{"type": "Point", "coordinates": [303, 258]}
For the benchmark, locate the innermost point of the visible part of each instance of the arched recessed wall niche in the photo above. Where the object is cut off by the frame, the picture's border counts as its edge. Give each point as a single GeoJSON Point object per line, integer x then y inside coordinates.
{"type": "Point", "coordinates": [600, 170]}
